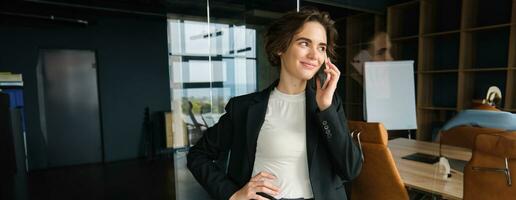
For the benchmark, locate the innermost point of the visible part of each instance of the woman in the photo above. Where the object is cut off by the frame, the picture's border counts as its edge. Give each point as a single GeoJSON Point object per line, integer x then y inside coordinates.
{"type": "Point", "coordinates": [378, 49]}
{"type": "Point", "coordinates": [291, 140]}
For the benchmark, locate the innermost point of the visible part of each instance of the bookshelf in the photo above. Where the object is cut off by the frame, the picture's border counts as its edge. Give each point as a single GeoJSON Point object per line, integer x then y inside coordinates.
{"type": "Point", "coordinates": [406, 18]}
{"type": "Point", "coordinates": [461, 47]}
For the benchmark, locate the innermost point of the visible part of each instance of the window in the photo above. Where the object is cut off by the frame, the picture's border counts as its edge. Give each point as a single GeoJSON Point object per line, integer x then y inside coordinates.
{"type": "Point", "coordinates": [208, 66]}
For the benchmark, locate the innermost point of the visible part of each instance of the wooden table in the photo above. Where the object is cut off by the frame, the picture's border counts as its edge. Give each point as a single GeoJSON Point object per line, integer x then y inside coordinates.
{"type": "Point", "coordinates": [423, 176]}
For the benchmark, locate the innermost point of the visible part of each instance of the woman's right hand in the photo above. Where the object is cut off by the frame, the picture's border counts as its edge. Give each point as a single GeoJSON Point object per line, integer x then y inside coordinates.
{"type": "Point", "coordinates": [259, 183]}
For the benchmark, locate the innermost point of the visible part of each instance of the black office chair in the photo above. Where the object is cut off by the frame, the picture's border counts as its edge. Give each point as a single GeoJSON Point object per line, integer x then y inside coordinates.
{"type": "Point", "coordinates": [195, 129]}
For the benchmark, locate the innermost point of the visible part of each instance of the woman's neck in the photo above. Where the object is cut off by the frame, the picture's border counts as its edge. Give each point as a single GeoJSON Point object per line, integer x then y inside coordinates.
{"type": "Point", "coordinates": [290, 85]}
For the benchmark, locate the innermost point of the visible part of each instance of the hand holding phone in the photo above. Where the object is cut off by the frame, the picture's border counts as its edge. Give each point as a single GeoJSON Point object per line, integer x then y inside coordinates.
{"type": "Point", "coordinates": [328, 85]}
{"type": "Point", "coordinates": [321, 74]}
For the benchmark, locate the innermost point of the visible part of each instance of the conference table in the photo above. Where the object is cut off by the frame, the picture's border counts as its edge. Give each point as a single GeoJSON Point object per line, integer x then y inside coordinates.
{"type": "Point", "coordinates": [426, 177]}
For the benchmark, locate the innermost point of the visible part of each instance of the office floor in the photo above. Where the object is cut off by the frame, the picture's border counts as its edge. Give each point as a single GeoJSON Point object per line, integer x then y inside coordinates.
{"type": "Point", "coordinates": [127, 180]}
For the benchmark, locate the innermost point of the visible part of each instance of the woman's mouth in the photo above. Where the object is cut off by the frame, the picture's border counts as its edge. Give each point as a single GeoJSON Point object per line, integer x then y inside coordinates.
{"type": "Point", "coordinates": [308, 65]}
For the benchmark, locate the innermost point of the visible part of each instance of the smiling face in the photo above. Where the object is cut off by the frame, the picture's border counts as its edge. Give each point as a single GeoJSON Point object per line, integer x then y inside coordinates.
{"type": "Point", "coordinates": [305, 53]}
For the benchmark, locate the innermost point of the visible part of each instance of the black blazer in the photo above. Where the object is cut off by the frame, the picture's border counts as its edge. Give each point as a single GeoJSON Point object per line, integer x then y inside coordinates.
{"type": "Point", "coordinates": [333, 158]}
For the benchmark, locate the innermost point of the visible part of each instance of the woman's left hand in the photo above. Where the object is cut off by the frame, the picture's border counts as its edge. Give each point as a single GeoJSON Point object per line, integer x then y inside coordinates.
{"type": "Point", "coordinates": [324, 95]}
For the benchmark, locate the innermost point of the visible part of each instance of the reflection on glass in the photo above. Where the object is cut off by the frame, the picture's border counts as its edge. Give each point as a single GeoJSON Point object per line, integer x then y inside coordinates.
{"type": "Point", "coordinates": [197, 71]}
{"type": "Point", "coordinates": [208, 66]}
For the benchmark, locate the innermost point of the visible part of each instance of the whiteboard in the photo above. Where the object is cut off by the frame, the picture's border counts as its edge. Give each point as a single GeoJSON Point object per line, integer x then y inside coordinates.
{"type": "Point", "coordinates": [390, 95]}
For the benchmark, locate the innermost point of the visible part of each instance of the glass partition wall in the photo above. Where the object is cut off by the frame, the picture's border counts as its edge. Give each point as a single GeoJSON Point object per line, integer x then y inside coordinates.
{"type": "Point", "coordinates": [209, 64]}
{"type": "Point", "coordinates": [215, 53]}
{"type": "Point", "coordinates": [213, 56]}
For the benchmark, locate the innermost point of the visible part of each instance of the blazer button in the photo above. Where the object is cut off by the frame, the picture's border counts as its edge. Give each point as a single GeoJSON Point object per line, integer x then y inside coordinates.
{"type": "Point", "coordinates": [328, 134]}
{"type": "Point", "coordinates": [324, 122]}
{"type": "Point", "coordinates": [326, 127]}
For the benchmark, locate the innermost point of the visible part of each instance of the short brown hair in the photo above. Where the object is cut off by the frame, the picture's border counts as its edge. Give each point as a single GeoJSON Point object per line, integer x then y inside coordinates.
{"type": "Point", "coordinates": [280, 32]}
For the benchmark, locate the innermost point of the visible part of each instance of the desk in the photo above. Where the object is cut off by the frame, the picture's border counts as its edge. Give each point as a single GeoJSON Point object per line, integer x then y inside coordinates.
{"type": "Point", "coordinates": [423, 176]}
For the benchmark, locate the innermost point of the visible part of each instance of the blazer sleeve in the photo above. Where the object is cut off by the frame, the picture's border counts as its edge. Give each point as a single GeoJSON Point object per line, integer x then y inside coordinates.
{"type": "Point", "coordinates": [201, 158]}
{"type": "Point", "coordinates": [345, 154]}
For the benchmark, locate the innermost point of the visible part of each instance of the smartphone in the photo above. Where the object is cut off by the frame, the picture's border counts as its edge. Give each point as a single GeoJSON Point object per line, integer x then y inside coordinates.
{"type": "Point", "coordinates": [266, 195]}
{"type": "Point", "coordinates": [321, 74]}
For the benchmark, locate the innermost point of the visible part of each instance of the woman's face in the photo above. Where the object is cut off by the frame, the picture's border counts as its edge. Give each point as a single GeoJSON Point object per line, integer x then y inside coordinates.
{"type": "Point", "coordinates": [306, 52]}
{"type": "Point", "coordinates": [380, 49]}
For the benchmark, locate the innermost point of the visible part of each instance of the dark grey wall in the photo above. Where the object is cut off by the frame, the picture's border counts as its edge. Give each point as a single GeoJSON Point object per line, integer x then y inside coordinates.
{"type": "Point", "coordinates": [132, 74]}
{"type": "Point", "coordinates": [377, 6]}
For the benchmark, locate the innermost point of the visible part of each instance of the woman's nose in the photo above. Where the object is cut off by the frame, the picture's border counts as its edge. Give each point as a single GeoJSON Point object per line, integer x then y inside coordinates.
{"type": "Point", "coordinates": [313, 53]}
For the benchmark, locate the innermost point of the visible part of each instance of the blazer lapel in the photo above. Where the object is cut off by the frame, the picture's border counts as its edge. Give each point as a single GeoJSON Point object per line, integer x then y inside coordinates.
{"type": "Point", "coordinates": [311, 126]}
{"type": "Point", "coordinates": [255, 119]}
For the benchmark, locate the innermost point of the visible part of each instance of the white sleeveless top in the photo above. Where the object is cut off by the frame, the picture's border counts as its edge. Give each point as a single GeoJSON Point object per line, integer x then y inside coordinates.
{"type": "Point", "coordinates": [281, 146]}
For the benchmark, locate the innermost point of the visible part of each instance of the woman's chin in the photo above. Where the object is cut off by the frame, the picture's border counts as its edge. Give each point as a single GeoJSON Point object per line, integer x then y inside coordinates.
{"type": "Point", "coordinates": [307, 77]}
{"type": "Point", "coordinates": [304, 78]}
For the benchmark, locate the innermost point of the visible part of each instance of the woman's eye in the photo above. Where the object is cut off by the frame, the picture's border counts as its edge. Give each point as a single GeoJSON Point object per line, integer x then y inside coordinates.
{"type": "Point", "coordinates": [322, 49]}
{"type": "Point", "coordinates": [304, 44]}
{"type": "Point", "coordinates": [381, 52]}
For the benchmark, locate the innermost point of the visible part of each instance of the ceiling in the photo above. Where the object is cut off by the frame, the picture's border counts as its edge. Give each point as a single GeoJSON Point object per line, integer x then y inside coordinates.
{"type": "Point", "coordinates": [251, 11]}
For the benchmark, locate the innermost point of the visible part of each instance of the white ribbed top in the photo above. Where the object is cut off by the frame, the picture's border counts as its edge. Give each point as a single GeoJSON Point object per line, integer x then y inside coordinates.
{"type": "Point", "coordinates": [281, 146]}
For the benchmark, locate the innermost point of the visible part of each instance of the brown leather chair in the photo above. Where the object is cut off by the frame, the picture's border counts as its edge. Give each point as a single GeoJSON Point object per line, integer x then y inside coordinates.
{"type": "Point", "coordinates": [379, 178]}
{"type": "Point", "coordinates": [485, 107]}
{"type": "Point", "coordinates": [464, 136]}
{"type": "Point", "coordinates": [490, 172]}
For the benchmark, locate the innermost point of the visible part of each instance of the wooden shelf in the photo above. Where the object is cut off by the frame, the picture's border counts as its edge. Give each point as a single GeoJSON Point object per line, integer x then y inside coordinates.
{"type": "Point", "coordinates": [437, 108]}
{"type": "Point", "coordinates": [450, 41]}
{"type": "Point", "coordinates": [487, 28]}
{"type": "Point", "coordinates": [405, 38]}
{"type": "Point", "coordinates": [438, 71]}
{"type": "Point", "coordinates": [360, 28]}
{"type": "Point", "coordinates": [486, 49]}
{"type": "Point", "coordinates": [441, 33]}
{"type": "Point", "coordinates": [440, 16]}
{"type": "Point", "coordinates": [480, 13]}
{"type": "Point", "coordinates": [441, 51]}
{"type": "Point", "coordinates": [486, 69]}
{"type": "Point", "coordinates": [404, 19]}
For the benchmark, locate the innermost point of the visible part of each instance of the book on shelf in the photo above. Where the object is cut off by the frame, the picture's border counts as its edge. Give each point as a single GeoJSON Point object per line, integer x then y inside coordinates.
{"type": "Point", "coordinates": [11, 83]}
{"type": "Point", "coordinates": [10, 77]}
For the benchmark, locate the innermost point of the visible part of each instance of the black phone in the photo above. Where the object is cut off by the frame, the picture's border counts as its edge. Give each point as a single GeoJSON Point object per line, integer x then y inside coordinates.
{"type": "Point", "coordinates": [266, 195]}
{"type": "Point", "coordinates": [421, 157]}
{"type": "Point", "coordinates": [321, 74]}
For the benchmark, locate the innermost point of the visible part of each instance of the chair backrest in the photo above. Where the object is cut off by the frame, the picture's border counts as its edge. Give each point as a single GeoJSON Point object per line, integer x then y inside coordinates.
{"type": "Point", "coordinates": [196, 124]}
{"type": "Point", "coordinates": [464, 136]}
{"type": "Point", "coordinates": [485, 107]}
{"type": "Point", "coordinates": [379, 178]}
{"type": "Point", "coordinates": [487, 175]}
